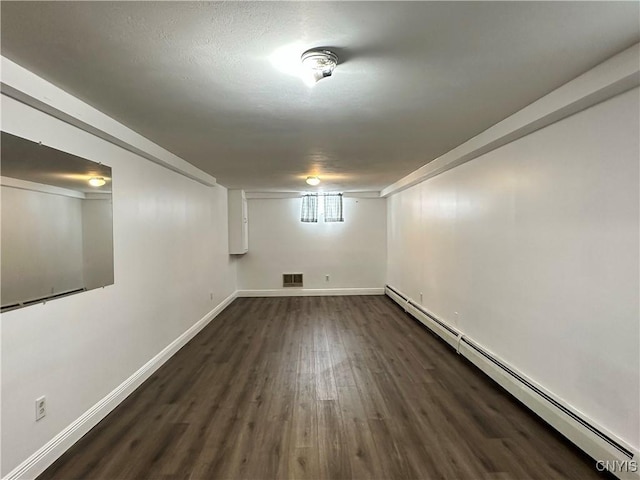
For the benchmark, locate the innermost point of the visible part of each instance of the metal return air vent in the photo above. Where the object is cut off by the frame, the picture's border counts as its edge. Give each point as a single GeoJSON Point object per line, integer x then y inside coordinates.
{"type": "Point", "coordinates": [292, 280]}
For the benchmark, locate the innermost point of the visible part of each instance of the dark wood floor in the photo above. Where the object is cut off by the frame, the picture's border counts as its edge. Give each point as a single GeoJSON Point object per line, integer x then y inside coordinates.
{"type": "Point", "coordinates": [320, 387]}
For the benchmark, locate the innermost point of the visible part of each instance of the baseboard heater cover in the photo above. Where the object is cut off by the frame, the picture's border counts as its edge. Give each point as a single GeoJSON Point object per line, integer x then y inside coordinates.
{"type": "Point", "coordinates": [447, 333]}
{"type": "Point", "coordinates": [434, 318]}
{"type": "Point", "coordinates": [389, 287]}
{"type": "Point", "coordinates": [517, 378]}
{"type": "Point", "coordinates": [621, 448]}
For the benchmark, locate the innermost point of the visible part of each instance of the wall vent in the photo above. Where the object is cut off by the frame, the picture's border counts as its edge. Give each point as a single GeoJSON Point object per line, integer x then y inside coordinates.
{"type": "Point", "coordinates": [292, 280]}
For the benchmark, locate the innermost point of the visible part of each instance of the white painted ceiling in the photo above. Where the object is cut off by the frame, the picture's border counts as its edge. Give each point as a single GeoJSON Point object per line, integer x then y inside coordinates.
{"type": "Point", "coordinates": [415, 79]}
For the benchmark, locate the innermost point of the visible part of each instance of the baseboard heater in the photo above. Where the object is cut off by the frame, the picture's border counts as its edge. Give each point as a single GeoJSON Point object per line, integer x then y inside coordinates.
{"type": "Point", "coordinates": [621, 448]}
{"type": "Point", "coordinates": [452, 336]}
{"type": "Point", "coordinates": [593, 440]}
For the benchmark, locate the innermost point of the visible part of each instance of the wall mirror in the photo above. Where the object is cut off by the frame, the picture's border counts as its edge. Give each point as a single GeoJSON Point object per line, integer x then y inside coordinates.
{"type": "Point", "coordinates": [57, 228]}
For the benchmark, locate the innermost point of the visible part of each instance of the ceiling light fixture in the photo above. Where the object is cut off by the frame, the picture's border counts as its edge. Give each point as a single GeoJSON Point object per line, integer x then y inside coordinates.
{"type": "Point", "coordinates": [313, 181]}
{"type": "Point", "coordinates": [318, 63]}
{"type": "Point", "coordinates": [97, 181]}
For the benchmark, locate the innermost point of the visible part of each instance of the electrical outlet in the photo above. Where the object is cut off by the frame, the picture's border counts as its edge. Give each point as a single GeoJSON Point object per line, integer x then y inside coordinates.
{"type": "Point", "coordinates": [41, 408]}
{"type": "Point", "coordinates": [211, 295]}
{"type": "Point", "coordinates": [420, 297]}
{"type": "Point", "coordinates": [326, 278]}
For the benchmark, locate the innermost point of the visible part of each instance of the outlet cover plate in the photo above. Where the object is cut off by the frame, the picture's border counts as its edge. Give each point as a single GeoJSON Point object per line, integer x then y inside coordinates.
{"type": "Point", "coordinates": [41, 408]}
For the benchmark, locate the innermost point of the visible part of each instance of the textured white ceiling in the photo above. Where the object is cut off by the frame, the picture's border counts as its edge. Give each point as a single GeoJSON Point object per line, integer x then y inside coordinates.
{"type": "Point", "coordinates": [415, 79]}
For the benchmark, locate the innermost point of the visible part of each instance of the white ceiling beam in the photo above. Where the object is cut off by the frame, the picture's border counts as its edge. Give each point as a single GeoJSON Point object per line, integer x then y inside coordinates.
{"type": "Point", "coordinates": [361, 194]}
{"type": "Point", "coordinates": [271, 195]}
{"type": "Point", "coordinates": [277, 195]}
{"type": "Point", "coordinates": [612, 77]}
{"type": "Point", "coordinates": [26, 87]}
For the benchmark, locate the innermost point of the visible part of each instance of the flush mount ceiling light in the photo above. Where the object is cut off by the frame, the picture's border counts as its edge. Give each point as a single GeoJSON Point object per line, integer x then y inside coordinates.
{"type": "Point", "coordinates": [318, 64]}
{"type": "Point", "coordinates": [313, 181]}
{"type": "Point", "coordinates": [97, 181]}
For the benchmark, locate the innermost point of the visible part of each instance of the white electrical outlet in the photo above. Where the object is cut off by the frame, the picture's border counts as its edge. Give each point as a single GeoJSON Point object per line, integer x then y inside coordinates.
{"type": "Point", "coordinates": [326, 278]}
{"type": "Point", "coordinates": [41, 407]}
{"type": "Point", "coordinates": [420, 297]}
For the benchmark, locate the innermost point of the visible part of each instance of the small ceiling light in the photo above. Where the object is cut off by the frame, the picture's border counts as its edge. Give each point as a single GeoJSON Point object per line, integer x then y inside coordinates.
{"type": "Point", "coordinates": [97, 181]}
{"type": "Point", "coordinates": [313, 181]}
{"type": "Point", "coordinates": [318, 63]}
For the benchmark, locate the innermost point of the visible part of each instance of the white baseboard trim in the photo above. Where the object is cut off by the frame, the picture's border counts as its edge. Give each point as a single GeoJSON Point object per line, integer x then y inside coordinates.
{"type": "Point", "coordinates": [570, 422]}
{"type": "Point", "coordinates": [310, 292]}
{"type": "Point", "coordinates": [52, 450]}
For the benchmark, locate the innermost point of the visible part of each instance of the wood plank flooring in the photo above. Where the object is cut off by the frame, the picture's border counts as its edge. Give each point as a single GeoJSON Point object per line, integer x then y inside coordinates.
{"type": "Point", "coordinates": [320, 388]}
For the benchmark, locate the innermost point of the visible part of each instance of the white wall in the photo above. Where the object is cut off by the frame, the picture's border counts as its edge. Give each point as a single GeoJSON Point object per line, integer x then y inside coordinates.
{"type": "Point", "coordinates": [532, 251]}
{"type": "Point", "coordinates": [43, 234]}
{"type": "Point", "coordinates": [171, 269]}
{"type": "Point", "coordinates": [352, 252]}
{"type": "Point", "coordinates": [97, 242]}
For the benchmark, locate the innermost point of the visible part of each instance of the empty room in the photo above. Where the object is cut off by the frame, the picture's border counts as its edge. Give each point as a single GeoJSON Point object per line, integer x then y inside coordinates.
{"type": "Point", "coordinates": [320, 240]}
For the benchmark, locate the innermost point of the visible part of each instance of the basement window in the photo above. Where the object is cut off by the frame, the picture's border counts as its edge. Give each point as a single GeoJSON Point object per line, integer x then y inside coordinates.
{"type": "Point", "coordinates": [333, 208]}
{"type": "Point", "coordinates": [309, 212]}
{"type": "Point", "coordinates": [330, 208]}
